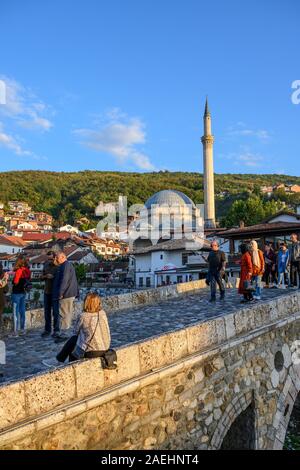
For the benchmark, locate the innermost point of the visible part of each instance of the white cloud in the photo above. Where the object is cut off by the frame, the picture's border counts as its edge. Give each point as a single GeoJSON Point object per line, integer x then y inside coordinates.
{"type": "Point", "coordinates": [13, 144]}
{"type": "Point", "coordinates": [249, 159]}
{"type": "Point", "coordinates": [10, 142]}
{"type": "Point", "coordinates": [117, 135]}
{"type": "Point", "coordinates": [24, 108]}
{"type": "Point", "coordinates": [245, 157]}
{"type": "Point", "coordinates": [242, 130]}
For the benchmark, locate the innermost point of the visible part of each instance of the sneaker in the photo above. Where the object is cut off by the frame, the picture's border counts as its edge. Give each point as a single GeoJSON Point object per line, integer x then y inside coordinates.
{"type": "Point", "coordinates": [51, 363]}
{"type": "Point", "coordinates": [45, 334]}
{"type": "Point", "coordinates": [22, 332]}
{"type": "Point", "coordinates": [257, 297]}
{"type": "Point", "coordinates": [212, 300]}
{"type": "Point", "coordinates": [15, 334]}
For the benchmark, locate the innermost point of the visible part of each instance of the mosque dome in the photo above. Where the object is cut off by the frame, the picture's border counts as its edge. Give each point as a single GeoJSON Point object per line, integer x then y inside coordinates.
{"type": "Point", "coordinates": [169, 197]}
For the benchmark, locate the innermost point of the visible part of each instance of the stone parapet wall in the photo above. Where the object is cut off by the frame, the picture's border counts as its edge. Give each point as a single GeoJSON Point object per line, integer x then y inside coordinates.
{"type": "Point", "coordinates": [171, 391]}
{"type": "Point", "coordinates": [115, 303]}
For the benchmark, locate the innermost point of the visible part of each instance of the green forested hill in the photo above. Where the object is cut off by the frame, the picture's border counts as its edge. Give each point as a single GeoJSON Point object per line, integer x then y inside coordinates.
{"type": "Point", "coordinates": [69, 196]}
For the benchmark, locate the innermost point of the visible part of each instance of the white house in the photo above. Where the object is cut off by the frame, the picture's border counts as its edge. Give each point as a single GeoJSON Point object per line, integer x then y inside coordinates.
{"type": "Point", "coordinates": [7, 261]}
{"type": "Point", "coordinates": [83, 257]}
{"type": "Point", "coordinates": [284, 216]}
{"type": "Point", "coordinates": [170, 262]}
{"type": "Point", "coordinates": [10, 244]}
{"type": "Point", "coordinates": [69, 228]}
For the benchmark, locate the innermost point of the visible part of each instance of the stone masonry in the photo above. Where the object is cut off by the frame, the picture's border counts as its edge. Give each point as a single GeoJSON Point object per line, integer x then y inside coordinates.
{"type": "Point", "coordinates": [184, 389]}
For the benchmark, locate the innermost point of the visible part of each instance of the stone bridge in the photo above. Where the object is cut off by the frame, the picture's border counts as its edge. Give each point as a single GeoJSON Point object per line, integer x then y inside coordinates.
{"type": "Point", "coordinates": [189, 376]}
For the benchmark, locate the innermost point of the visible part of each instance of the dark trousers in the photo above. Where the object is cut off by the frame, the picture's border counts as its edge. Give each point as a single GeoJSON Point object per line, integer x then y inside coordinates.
{"type": "Point", "coordinates": [270, 274]}
{"type": "Point", "coordinates": [67, 350]}
{"type": "Point", "coordinates": [51, 310]}
{"type": "Point", "coordinates": [295, 273]}
{"type": "Point", "coordinates": [69, 347]}
{"type": "Point", "coordinates": [215, 278]}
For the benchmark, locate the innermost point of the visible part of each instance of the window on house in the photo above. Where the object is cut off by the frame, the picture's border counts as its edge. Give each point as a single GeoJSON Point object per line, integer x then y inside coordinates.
{"type": "Point", "coordinates": [141, 282]}
{"type": "Point", "coordinates": [148, 281]}
{"type": "Point", "coordinates": [184, 258]}
{"type": "Point", "coordinates": [161, 256]}
{"type": "Point", "coordinates": [179, 279]}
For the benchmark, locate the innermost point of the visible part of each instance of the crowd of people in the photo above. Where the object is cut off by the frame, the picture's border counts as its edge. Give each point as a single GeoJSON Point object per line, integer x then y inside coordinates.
{"type": "Point", "coordinates": [273, 267]}
{"type": "Point", "coordinates": [277, 268]}
{"type": "Point", "coordinates": [91, 335]}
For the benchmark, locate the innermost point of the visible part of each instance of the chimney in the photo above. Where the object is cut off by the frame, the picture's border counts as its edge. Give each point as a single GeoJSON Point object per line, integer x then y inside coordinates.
{"type": "Point", "coordinates": [242, 224]}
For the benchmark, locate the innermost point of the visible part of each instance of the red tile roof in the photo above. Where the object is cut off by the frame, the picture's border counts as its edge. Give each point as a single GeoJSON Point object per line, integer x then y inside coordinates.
{"type": "Point", "coordinates": [62, 235]}
{"type": "Point", "coordinates": [36, 237]}
{"type": "Point", "coordinates": [11, 240]}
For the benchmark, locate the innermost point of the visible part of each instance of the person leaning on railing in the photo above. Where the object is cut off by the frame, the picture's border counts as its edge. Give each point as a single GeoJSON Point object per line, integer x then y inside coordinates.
{"type": "Point", "coordinates": [3, 289]}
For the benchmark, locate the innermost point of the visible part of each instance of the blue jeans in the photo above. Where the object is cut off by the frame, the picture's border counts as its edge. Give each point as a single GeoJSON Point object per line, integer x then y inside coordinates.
{"type": "Point", "coordinates": [257, 283]}
{"type": "Point", "coordinates": [18, 302]}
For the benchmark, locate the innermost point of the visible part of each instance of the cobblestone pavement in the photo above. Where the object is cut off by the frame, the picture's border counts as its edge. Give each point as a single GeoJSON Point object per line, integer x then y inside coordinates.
{"type": "Point", "coordinates": [24, 354]}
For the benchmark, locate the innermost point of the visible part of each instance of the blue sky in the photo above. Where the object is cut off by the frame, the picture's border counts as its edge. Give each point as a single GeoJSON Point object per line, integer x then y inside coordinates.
{"type": "Point", "coordinates": [121, 84]}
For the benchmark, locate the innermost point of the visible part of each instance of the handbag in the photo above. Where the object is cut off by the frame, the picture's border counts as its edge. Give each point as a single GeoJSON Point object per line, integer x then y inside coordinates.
{"type": "Point", "coordinates": [109, 359]}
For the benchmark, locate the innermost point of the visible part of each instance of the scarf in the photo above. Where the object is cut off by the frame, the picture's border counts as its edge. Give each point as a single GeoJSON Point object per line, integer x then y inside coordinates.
{"type": "Point", "coordinates": [255, 254]}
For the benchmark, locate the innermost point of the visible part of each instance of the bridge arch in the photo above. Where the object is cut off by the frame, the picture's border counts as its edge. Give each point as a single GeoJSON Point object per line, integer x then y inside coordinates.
{"type": "Point", "coordinates": [235, 409]}
{"type": "Point", "coordinates": [286, 402]}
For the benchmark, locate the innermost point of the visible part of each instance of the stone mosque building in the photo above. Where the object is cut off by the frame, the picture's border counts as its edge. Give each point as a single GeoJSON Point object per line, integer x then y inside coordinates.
{"type": "Point", "coordinates": [172, 241]}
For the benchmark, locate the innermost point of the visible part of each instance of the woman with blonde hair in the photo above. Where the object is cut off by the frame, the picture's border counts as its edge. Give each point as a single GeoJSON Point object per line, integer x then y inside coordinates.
{"type": "Point", "coordinates": [91, 333]}
{"type": "Point", "coordinates": [258, 267]}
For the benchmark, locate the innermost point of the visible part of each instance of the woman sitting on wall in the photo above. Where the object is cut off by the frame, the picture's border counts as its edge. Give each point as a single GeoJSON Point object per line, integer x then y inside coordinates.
{"type": "Point", "coordinates": [91, 334]}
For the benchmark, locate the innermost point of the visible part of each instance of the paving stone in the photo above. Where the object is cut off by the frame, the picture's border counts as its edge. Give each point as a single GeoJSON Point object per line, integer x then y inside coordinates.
{"type": "Point", "coordinates": [26, 353]}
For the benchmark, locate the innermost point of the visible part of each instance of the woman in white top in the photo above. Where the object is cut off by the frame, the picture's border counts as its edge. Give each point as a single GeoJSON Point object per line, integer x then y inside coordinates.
{"type": "Point", "coordinates": [91, 335]}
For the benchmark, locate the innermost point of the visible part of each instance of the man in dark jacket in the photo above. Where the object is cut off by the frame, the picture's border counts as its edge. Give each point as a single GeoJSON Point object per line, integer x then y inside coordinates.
{"type": "Point", "coordinates": [216, 270]}
{"type": "Point", "coordinates": [48, 276]}
{"type": "Point", "coordinates": [295, 260]}
{"type": "Point", "coordinates": [65, 290]}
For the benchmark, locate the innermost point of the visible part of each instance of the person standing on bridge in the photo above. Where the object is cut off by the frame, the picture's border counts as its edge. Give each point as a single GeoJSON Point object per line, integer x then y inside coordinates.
{"type": "Point", "coordinates": [3, 289]}
{"type": "Point", "coordinates": [48, 276]}
{"type": "Point", "coordinates": [245, 288]}
{"type": "Point", "coordinates": [216, 269]}
{"type": "Point", "coordinates": [258, 263]}
{"type": "Point", "coordinates": [65, 290]}
{"type": "Point", "coordinates": [270, 266]}
{"type": "Point", "coordinates": [283, 266]}
{"type": "Point", "coordinates": [21, 283]}
{"type": "Point", "coordinates": [295, 260]}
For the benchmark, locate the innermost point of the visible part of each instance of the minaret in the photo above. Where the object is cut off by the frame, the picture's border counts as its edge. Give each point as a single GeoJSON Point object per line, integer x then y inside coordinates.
{"type": "Point", "coordinates": [208, 172]}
